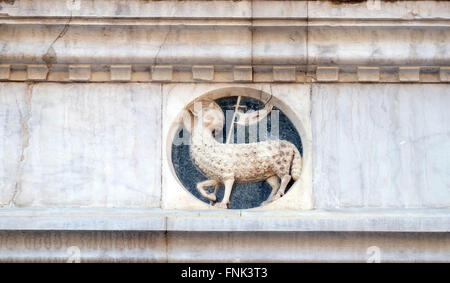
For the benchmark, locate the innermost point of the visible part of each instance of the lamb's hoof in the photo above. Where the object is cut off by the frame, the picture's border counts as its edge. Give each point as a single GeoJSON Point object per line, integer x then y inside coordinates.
{"type": "Point", "coordinates": [275, 197]}
{"type": "Point", "coordinates": [211, 197]}
{"type": "Point", "coordinates": [221, 205]}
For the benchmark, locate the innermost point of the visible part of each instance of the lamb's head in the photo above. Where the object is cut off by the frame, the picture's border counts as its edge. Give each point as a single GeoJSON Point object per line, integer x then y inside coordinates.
{"type": "Point", "coordinates": [205, 113]}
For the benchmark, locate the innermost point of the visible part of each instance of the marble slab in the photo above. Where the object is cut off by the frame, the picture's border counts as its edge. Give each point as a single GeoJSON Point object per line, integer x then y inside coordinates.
{"type": "Point", "coordinates": [381, 145]}
{"type": "Point", "coordinates": [91, 145]}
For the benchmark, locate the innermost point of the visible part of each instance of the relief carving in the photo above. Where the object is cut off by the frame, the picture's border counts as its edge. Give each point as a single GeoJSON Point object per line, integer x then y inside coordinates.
{"type": "Point", "coordinates": [226, 164]}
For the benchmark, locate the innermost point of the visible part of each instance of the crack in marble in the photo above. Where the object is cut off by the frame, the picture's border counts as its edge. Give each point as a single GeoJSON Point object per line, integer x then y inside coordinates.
{"type": "Point", "coordinates": [50, 56]}
{"type": "Point", "coordinates": [155, 60]}
{"type": "Point", "coordinates": [26, 136]}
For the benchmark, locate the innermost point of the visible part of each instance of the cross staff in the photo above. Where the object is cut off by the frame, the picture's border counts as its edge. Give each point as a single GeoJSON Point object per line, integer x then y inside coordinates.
{"type": "Point", "coordinates": [236, 109]}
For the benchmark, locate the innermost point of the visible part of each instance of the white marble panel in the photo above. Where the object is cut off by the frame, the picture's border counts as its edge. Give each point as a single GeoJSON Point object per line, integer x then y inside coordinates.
{"type": "Point", "coordinates": [92, 145]}
{"type": "Point", "coordinates": [14, 113]}
{"type": "Point", "coordinates": [381, 145]}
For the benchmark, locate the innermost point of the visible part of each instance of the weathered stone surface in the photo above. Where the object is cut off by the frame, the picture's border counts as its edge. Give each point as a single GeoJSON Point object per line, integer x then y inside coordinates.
{"type": "Point", "coordinates": [119, 246]}
{"type": "Point", "coordinates": [268, 220]}
{"type": "Point", "coordinates": [226, 32]}
{"type": "Point", "coordinates": [92, 145]}
{"type": "Point", "coordinates": [79, 72]}
{"type": "Point", "coordinates": [383, 146]}
{"type": "Point", "coordinates": [149, 44]}
{"type": "Point", "coordinates": [368, 74]}
{"type": "Point", "coordinates": [406, 10]}
{"type": "Point", "coordinates": [78, 157]}
{"type": "Point", "coordinates": [243, 73]}
{"type": "Point", "coordinates": [14, 115]}
{"type": "Point", "coordinates": [5, 70]}
{"type": "Point", "coordinates": [311, 247]}
{"type": "Point", "coordinates": [203, 73]}
{"type": "Point", "coordinates": [132, 9]}
{"type": "Point", "coordinates": [275, 45]}
{"type": "Point", "coordinates": [37, 72]}
{"type": "Point", "coordinates": [409, 74]}
{"type": "Point", "coordinates": [82, 246]}
{"type": "Point", "coordinates": [327, 74]}
{"type": "Point", "coordinates": [120, 72]}
{"type": "Point", "coordinates": [367, 45]}
{"type": "Point", "coordinates": [162, 73]}
{"type": "Point", "coordinates": [293, 100]}
{"type": "Point", "coordinates": [283, 74]}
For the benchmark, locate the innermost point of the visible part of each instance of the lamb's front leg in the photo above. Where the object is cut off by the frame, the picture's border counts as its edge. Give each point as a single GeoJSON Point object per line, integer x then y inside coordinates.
{"type": "Point", "coordinates": [226, 197]}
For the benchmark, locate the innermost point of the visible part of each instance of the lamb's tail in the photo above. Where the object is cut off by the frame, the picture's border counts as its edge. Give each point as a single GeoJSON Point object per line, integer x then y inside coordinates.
{"type": "Point", "coordinates": [296, 167]}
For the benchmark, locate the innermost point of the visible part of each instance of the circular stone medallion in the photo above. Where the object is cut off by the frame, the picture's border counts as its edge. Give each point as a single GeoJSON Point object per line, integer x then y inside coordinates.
{"type": "Point", "coordinates": [245, 194]}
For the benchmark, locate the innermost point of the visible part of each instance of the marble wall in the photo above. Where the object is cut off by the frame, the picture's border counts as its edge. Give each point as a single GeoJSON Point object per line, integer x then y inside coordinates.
{"type": "Point", "coordinates": [381, 145]}
{"type": "Point", "coordinates": [99, 145]}
{"type": "Point", "coordinates": [80, 145]}
{"type": "Point", "coordinates": [90, 91]}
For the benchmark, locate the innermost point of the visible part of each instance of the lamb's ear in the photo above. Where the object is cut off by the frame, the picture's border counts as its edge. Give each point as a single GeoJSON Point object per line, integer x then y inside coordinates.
{"type": "Point", "coordinates": [187, 119]}
{"type": "Point", "coordinates": [196, 108]}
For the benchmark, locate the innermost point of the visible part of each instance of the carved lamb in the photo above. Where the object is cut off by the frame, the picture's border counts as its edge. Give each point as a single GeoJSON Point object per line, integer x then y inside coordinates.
{"type": "Point", "coordinates": [233, 163]}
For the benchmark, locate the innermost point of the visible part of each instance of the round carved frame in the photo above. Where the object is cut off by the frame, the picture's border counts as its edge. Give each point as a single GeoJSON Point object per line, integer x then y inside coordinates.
{"type": "Point", "coordinates": [299, 195]}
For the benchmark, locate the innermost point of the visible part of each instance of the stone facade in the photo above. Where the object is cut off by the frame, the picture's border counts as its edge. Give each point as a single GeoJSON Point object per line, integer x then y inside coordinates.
{"type": "Point", "coordinates": [90, 97]}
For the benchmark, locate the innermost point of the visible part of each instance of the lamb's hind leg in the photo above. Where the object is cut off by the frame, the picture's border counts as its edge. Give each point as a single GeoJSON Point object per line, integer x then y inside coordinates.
{"type": "Point", "coordinates": [274, 182]}
{"type": "Point", "coordinates": [284, 182]}
{"type": "Point", "coordinates": [201, 188]}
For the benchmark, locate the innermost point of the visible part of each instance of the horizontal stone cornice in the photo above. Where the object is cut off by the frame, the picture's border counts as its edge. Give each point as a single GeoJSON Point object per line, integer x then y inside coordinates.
{"type": "Point", "coordinates": [223, 73]}
{"type": "Point", "coordinates": [259, 34]}
{"type": "Point", "coordinates": [255, 9]}
{"type": "Point", "coordinates": [349, 220]}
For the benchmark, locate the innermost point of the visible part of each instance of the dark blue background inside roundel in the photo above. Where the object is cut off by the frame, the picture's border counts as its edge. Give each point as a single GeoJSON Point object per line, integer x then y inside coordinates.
{"type": "Point", "coordinates": [243, 195]}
